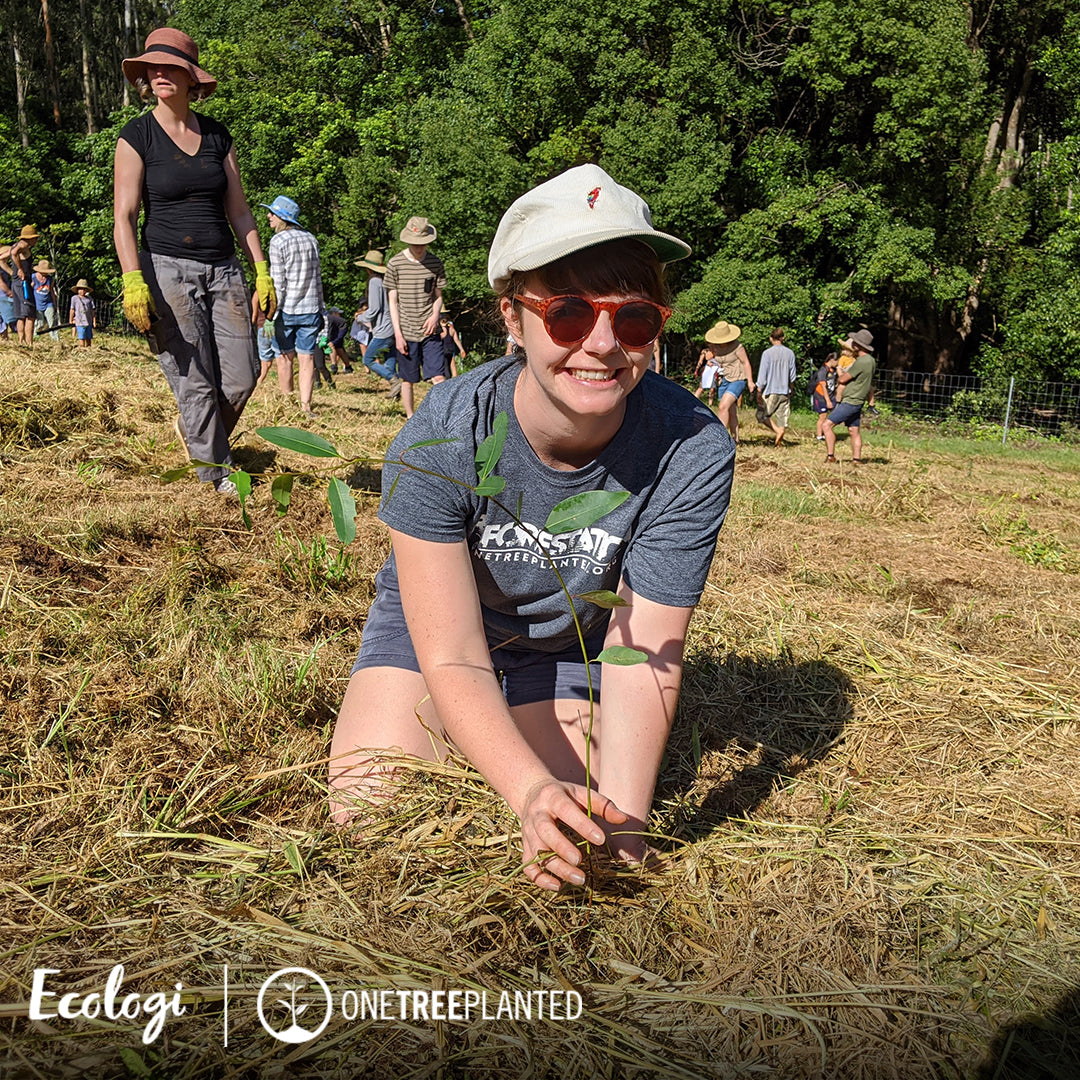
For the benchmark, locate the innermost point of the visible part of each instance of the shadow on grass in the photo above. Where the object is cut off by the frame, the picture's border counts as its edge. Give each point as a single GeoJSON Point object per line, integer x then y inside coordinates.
{"type": "Point", "coordinates": [746, 725]}
{"type": "Point", "coordinates": [1045, 1047]}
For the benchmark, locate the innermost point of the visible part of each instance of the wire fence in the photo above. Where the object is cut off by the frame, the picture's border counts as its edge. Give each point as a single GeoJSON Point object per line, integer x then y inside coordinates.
{"type": "Point", "coordinates": [968, 402]}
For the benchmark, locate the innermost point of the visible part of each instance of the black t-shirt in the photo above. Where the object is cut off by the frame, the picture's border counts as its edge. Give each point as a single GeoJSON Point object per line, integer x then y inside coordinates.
{"type": "Point", "coordinates": [183, 195]}
{"type": "Point", "coordinates": [335, 325]}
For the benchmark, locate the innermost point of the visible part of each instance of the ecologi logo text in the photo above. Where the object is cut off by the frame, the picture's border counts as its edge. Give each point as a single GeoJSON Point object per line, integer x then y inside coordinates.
{"type": "Point", "coordinates": [288, 995]}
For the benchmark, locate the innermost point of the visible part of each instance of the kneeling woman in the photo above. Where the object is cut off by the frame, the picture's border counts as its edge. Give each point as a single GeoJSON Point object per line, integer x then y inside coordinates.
{"type": "Point", "coordinates": [470, 612]}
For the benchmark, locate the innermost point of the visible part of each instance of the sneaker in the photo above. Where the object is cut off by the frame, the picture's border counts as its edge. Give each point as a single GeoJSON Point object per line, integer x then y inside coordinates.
{"type": "Point", "coordinates": [349, 369]}
{"type": "Point", "coordinates": [226, 486]}
{"type": "Point", "coordinates": [394, 389]}
{"type": "Point", "coordinates": [820, 438]}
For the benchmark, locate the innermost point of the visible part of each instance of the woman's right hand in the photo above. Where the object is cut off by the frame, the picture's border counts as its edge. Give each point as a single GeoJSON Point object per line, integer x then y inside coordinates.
{"type": "Point", "coordinates": [548, 856]}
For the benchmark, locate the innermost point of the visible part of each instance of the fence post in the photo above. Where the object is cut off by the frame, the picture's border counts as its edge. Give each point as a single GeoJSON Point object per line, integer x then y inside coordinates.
{"type": "Point", "coordinates": [1008, 409]}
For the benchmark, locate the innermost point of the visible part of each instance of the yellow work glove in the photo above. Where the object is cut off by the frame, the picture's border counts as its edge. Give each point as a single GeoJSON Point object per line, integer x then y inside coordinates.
{"type": "Point", "coordinates": [138, 303]}
{"type": "Point", "coordinates": [264, 289]}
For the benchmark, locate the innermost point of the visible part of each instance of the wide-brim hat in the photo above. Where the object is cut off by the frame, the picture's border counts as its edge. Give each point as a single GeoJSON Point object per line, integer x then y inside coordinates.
{"type": "Point", "coordinates": [577, 209]}
{"type": "Point", "coordinates": [285, 208]}
{"type": "Point", "coordinates": [373, 260]}
{"type": "Point", "coordinates": [169, 46]}
{"type": "Point", "coordinates": [864, 339]}
{"type": "Point", "coordinates": [42, 267]}
{"type": "Point", "coordinates": [418, 230]}
{"type": "Point", "coordinates": [722, 332]}
{"type": "Point", "coordinates": [29, 232]}
{"type": "Point", "coordinates": [82, 283]}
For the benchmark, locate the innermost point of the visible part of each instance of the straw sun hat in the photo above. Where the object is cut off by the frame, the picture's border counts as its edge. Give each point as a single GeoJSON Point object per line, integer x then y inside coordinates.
{"type": "Point", "coordinates": [722, 332]}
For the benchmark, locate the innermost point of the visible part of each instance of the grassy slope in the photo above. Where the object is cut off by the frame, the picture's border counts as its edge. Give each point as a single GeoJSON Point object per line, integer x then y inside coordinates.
{"type": "Point", "coordinates": [870, 795]}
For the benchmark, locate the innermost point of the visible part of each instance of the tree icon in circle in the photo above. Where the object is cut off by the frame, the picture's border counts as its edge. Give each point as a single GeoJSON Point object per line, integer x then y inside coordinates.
{"type": "Point", "coordinates": [283, 986]}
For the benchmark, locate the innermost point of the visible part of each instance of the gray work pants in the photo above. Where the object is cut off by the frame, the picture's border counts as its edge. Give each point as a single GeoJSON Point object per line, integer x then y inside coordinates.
{"type": "Point", "coordinates": [205, 343]}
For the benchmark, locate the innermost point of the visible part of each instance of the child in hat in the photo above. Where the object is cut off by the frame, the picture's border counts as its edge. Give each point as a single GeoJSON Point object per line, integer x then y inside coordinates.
{"type": "Point", "coordinates": [470, 631]}
{"type": "Point", "coordinates": [83, 313]}
{"type": "Point", "coordinates": [45, 297]}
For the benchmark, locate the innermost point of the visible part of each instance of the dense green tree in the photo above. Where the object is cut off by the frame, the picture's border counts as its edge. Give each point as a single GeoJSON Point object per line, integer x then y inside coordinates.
{"type": "Point", "coordinates": [910, 165]}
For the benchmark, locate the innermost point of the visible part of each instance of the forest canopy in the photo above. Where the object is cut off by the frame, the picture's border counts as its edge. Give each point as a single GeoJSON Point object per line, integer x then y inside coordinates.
{"type": "Point", "coordinates": [907, 165]}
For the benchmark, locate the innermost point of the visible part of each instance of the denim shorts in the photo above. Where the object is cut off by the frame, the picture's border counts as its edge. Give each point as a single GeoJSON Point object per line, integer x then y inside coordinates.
{"type": "Point", "coordinates": [85, 333]}
{"type": "Point", "coordinates": [298, 333]}
{"type": "Point", "coordinates": [7, 308]}
{"type": "Point", "coordinates": [736, 388]}
{"type": "Point", "coordinates": [848, 415]}
{"type": "Point", "coordinates": [526, 675]}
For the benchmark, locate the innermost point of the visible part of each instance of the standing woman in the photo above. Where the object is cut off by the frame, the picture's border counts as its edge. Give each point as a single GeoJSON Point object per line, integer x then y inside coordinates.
{"type": "Point", "coordinates": [469, 620]}
{"type": "Point", "coordinates": [25, 310]}
{"type": "Point", "coordinates": [184, 288]}
{"type": "Point", "coordinates": [736, 374]}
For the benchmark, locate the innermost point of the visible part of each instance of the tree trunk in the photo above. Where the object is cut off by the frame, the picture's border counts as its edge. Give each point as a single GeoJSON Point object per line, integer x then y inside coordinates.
{"type": "Point", "coordinates": [20, 91]}
{"type": "Point", "coordinates": [465, 20]}
{"type": "Point", "coordinates": [127, 48]}
{"type": "Point", "coordinates": [50, 63]}
{"type": "Point", "coordinates": [87, 94]}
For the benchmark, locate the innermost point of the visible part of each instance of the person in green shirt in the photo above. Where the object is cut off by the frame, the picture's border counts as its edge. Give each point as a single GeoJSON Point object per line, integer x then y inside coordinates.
{"type": "Point", "coordinates": [855, 387]}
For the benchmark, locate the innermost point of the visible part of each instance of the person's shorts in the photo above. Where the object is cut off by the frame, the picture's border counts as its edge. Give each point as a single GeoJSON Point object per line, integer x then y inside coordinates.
{"type": "Point", "coordinates": [817, 403]}
{"type": "Point", "coordinates": [778, 409]}
{"type": "Point", "coordinates": [848, 415]}
{"type": "Point", "coordinates": [84, 333]}
{"type": "Point", "coordinates": [736, 388]}
{"type": "Point", "coordinates": [23, 308]}
{"type": "Point", "coordinates": [7, 308]}
{"type": "Point", "coordinates": [526, 675]}
{"type": "Point", "coordinates": [268, 346]}
{"type": "Point", "coordinates": [708, 377]}
{"type": "Point", "coordinates": [298, 333]}
{"type": "Point", "coordinates": [337, 340]}
{"type": "Point", "coordinates": [425, 360]}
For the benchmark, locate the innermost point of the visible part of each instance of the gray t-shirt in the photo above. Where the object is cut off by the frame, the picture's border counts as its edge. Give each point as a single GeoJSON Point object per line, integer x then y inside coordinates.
{"type": "Point", "coordinates": [671, 453]}
{"type": "Point", "coordinates": [378, 309]}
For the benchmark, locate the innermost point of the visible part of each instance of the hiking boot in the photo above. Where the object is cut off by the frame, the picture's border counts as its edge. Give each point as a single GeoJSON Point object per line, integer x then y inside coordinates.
{"type": "Point", "coordinates": [227, 487]}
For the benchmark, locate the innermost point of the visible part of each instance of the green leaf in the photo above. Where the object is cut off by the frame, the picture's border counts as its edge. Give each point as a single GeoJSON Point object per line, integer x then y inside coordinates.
{"type": "Point", "coordinates": [292, 857]}
{"type": "Point", "coordinates": [281, 492]}
{"type": "Point", "coordinates": [604, 598]}
{"type": "Point", "coordinates": [393, 486]}
{"type": "Point", "coordinates": [133, 1063]}
{"type": "Point", "coordinates": [582, 510]}
{"type": "Point", "coordinates": [242, 480]}
{"type": "Point", "coordinates": [303, 442]}
{"type": "Point", "coordinates": [622, 655]}
{"type": "Point", "coordinates": [490, 485]}
{"type": "Point", "coordinates": [172, 475]}
{"type": "Point", "coordinates": [490, 450]}
{"type": "Point", "coordinates": [343, 509]}
{"type": "Point", "coordinates": [427, 442]}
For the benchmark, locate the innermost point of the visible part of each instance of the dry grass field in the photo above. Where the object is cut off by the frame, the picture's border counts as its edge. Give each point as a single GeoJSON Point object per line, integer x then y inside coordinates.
{"type": "Point", "coordinates": [869, 811]}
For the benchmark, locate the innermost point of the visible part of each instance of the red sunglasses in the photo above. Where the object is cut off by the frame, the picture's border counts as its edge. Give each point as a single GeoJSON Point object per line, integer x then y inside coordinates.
{"type": "Point", "coordinates": [569, 319]}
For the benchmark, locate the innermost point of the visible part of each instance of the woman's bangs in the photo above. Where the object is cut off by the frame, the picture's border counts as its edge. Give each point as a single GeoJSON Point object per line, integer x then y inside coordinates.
{"type": "Point", "coordinates": [615, 268]}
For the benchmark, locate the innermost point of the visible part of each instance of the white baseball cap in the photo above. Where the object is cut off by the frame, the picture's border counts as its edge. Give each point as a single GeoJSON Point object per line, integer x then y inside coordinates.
{"type": "Point", "coordinates": [576, 209]}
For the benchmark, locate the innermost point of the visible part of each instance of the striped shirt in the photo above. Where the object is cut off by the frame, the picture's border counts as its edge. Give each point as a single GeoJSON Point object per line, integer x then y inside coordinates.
{"type": "Point", "coordinates": [416, 284]}
{"type": "Point", "coordinates": [294, 265]}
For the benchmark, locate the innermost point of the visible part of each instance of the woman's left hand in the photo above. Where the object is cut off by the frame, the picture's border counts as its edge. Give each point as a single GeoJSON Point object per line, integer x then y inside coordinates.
{"type": "Point", "coordinates": [264, 289]}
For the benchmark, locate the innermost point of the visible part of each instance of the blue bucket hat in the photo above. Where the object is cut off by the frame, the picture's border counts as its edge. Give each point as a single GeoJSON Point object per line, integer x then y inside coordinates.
{"type": "Point", "coordinates": [285, 208]}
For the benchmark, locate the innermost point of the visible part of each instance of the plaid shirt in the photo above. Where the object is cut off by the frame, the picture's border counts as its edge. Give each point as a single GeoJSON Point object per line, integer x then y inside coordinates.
{"type": "Point", "coordinates": [294, 265]}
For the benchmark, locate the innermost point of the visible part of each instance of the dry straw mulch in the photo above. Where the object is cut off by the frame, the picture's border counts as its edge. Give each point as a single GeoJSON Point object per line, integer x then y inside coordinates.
{"type": "Point", "coordinates": [867, 816]}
